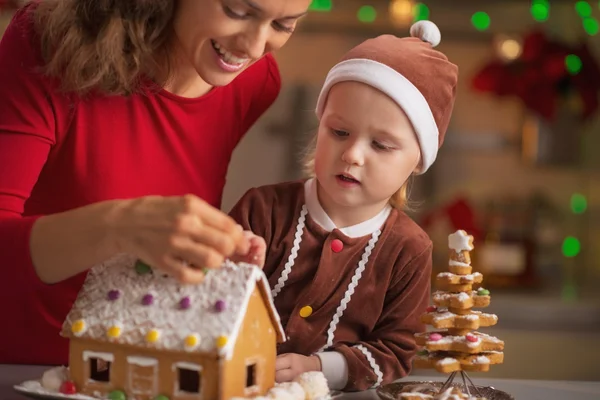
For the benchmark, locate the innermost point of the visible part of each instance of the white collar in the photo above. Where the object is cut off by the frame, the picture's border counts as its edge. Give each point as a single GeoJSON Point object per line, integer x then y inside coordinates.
{"type": "Point", "coordinates": [319, 215]}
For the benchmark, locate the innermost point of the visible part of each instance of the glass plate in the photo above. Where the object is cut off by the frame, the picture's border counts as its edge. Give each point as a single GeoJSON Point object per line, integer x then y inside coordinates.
{"type": "Point", "coordinates": [391, 391]}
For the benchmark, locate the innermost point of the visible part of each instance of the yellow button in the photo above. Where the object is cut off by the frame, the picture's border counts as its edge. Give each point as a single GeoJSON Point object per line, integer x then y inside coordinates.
{"type": "Point", "coordinates": [306, 311]}
{"type": "Point", "coordinates": [152, 336]}
{"type": "Point", "coordinates": [114, 332]}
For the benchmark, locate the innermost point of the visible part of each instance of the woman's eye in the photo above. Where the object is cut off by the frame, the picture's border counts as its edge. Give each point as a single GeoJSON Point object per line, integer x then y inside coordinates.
{"type": "Point", "coordinates": [278, 26]}
{"type": "Point", "coordinates": [235, 14]}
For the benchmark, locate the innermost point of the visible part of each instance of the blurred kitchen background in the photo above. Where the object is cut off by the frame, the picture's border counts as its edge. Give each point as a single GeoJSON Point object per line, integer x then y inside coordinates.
{"type": "Point", "coordinates": [520, 168]}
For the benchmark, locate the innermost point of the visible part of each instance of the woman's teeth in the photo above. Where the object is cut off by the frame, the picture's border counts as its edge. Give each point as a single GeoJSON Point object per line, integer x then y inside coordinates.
{"type": "Point", "coordinates": [227, 56]}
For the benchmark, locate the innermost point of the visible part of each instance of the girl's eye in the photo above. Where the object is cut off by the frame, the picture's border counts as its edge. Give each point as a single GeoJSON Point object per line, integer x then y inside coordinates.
{"type": "Point", "coordinates": [380, 146]}
{"type": "Point", "coordinates": [231, 13]}
{"type": "Point", "coordinates": [340, 133]}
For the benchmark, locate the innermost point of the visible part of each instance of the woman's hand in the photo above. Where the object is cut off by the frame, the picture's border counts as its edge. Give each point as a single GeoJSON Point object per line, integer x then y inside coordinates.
{"type": "Point", "coordinates": [179, 235]}
{"type": "Point", "coordinates": [257, 249]}
{"type": "Point", "coordinates": [289, 366]}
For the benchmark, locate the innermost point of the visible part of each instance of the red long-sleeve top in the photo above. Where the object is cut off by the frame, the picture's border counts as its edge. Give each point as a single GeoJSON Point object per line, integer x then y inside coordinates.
{"type": "Point", "coordinates": [60, 151]}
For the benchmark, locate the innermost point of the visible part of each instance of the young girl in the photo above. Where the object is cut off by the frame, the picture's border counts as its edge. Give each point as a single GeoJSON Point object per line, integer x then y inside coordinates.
{"type": "Point", "coordinates": [350, 272]}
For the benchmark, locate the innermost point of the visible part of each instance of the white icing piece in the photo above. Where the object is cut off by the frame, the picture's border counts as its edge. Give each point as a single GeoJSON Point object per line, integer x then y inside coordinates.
{"type": "Point", "coordinates": [459, 241]}
{"type": "Point", "coordinates": [35, 388]}
{"type": "Point", "coordinates": [234, 284]}
{"type": "Point", "coordinates": [454, 263]}
{"type": "Point", "coordinates": [187, 365]}
{"type": "Point", "coordinates": [54, 377]}
{"type": "Point", "coordinates": [294, 390]}
{"type": "Point", "coordinates": [447, 360]}
{"type": "Point", "coordinates": [108, 357]}
{"type": "Point", "coordinates": [142, 361]}
{"type": "Point", "coordinates": [481, 360]}
{"type": "Point", "coordinates": [463, 278]}
{"type": "Point", "coordinates": [314, 384]}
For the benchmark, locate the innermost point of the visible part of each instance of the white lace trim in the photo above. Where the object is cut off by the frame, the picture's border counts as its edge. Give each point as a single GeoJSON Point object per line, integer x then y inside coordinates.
{"type": "Point", "coordinates": [351, 287]}
{"type": "Point", "coordinates": [293, 254]}
{"type": "Point", "coordinates": [372, 363]}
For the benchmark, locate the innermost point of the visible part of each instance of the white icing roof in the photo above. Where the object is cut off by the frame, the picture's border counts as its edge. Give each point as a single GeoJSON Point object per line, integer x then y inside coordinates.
{"type": "Point", "coordinates": [231, 286]}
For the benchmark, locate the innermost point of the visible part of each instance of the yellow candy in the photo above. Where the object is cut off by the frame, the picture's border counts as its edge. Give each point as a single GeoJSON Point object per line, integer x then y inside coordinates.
{"type": "Point", "coordinates": [152, 336]}
{"type": "Point", "coordinates": [221, 341]}
{"type": "Point", "coordinates": [114, 332]}
{"type": "Point", "coordinates": [78, 326]}
{"type": "Point", "coordinates": [306, 311]}
{"type": "Point", "coordinates": [191, 341]}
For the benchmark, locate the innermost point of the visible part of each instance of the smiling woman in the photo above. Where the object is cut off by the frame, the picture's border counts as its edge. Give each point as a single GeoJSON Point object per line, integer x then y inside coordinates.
{"type": "Point", "coordinates": [130, 110]}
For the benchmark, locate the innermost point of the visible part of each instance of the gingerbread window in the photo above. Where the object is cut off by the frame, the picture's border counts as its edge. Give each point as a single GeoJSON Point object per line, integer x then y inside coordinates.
{"type": "Point", "coordinates": [189, 378]}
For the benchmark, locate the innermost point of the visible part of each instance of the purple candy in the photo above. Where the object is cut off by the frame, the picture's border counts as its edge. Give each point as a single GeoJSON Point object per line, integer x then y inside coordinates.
{"type": "Point", "coordinates": [220, 305]}
{"type": "Point", "coordinates": [114, 294]}
{"type": "Point", "coordinates": [147, 299]}
{"type": "Point", "coordinates": [185, 303]}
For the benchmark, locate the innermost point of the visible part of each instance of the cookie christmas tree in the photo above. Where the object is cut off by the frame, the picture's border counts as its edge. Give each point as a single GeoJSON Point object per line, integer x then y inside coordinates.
{"type": "Point", "coordinates": [455, 344]}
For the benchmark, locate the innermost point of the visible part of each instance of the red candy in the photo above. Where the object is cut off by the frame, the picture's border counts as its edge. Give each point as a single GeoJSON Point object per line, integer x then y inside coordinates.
{"type": "Point", "coordinates": [68, 387]}
{"type": "Point", "coordinates": [431, 308]}
{"type": "Point", "coordinates": [471, 338]}
{"type": "Point", "coordinates": [434, 337]}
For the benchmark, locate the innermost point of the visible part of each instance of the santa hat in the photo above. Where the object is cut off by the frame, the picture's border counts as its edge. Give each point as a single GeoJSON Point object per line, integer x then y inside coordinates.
{"type": "Point", "coordinates": [420, 79]}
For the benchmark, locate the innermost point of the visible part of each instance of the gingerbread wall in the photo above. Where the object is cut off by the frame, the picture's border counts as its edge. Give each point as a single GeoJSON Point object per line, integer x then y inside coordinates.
{"type": "Point", "coordinates": [257, 342]}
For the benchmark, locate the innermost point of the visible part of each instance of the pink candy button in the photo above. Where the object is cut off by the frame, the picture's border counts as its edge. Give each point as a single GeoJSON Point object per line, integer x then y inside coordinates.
{"type": "Point", "coordinates": [434, 337]}
{"type": "Point", "coordinates": [337, 245]}
{"type": "Point", "coordinates": [471, 338]}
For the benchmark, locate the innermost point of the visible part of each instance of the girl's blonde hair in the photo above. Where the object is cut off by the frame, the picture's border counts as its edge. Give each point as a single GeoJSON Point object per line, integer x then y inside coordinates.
{"type": "Point", "coordinates": [104, 44]}
{"type": "Point", "coordinates": [399, 200]}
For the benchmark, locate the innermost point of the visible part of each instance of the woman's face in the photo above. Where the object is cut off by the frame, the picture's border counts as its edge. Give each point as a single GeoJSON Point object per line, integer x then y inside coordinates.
{"type": "Point", "coordinates": [221, 38]}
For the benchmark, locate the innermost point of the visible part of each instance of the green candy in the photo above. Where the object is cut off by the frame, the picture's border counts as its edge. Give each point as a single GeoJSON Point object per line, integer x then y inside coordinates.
{"type": "Point", "coordinates": [483, 292]}
{"type": "Point", "coordinates": [161, 397]}
{"type": "Point", "coordinates": [142, 268]}
{"type": "Point", "coordinates": [422, 352]}
{"type": "Point", "coordinates": [117, 395]}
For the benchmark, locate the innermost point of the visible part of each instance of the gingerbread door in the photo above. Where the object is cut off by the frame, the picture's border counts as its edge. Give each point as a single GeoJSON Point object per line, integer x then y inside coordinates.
{"type": "Point", "coordinates": [142, 377]}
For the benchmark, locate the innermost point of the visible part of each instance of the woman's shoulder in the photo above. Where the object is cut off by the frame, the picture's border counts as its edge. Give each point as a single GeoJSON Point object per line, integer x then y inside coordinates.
{"type": "Point", "coordinates": [20, 36]}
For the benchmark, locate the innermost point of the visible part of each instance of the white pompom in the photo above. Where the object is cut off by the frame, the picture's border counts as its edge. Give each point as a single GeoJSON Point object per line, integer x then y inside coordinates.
{"type": "Point", "coordinates": [54, 377]}
{"type": "Point", "coordinates": [427, 31]}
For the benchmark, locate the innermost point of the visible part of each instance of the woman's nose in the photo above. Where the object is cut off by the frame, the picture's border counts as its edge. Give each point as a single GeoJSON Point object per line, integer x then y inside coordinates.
{"type": "Point", "coordinates": [255, 42]}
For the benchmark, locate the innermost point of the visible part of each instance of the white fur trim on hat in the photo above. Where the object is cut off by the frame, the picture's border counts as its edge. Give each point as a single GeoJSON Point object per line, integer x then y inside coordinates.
{"type": "Point", "coordinates": [396, 86]}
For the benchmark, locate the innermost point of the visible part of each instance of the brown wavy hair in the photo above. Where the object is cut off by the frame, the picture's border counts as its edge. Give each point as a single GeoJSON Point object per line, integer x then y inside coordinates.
{"type": "Point", "coordinates": [105, 45]}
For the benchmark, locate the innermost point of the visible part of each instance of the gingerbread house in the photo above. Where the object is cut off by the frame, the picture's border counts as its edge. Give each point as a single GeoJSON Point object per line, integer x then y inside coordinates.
{"type": "Point", "coordinates": [139, 334]}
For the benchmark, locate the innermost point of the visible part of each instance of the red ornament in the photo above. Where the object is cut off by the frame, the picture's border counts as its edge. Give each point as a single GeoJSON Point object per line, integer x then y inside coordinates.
{"type": "Point", "coordinates": [68, 387]}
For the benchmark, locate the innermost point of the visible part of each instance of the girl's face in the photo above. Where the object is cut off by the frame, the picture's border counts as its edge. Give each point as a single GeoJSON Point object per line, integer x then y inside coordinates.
{"type": "Point", "coordinates": [366, 150]}
{"type": "Point", "coordinates": [218, 39]}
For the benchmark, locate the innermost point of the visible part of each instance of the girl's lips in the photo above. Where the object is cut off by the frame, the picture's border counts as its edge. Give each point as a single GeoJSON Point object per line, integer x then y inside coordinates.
{"type": "Point", "coordinates": [346, 181]}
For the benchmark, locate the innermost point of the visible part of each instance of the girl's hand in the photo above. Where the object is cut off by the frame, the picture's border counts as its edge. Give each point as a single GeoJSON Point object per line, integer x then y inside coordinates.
{"type": "Point", "coordinates": [179, 235]}
{"type": "Point", "coordinates": [256, 251]}
{"type": "Point", "coordinates": [289, 366]}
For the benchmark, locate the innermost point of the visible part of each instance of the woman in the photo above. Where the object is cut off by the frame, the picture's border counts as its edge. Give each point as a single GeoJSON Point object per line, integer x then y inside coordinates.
{"type": "Point", "coordinates": [117, 123]}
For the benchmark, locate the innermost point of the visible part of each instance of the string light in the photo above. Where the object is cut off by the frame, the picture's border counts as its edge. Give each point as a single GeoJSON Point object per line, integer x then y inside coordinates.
{"type": "Point", "coordinates": [540, 10]}
{"type": "Point", "coordinates": [573, 64]}
{"type": "Point", "coordinates": [421, 12]}
{"type": "Point", "coordinates": [481, 20]}
{"type": "Point", "coordinates": [401, 11]}
{"type": "Point", "coordinates": [571, 246]}
{"type": "Point", "coordinates": [321, 5]}
{"type": "Point", "coordinates": [578, 203]}
{"type": "Point", "coordinates": [508, 48]}
{"type": "Point", "coordinates": [367, 14]}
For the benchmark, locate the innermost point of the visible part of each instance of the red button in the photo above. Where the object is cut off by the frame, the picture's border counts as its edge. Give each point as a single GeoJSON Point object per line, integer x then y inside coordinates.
{"type": "Point", "coordinates": [337, 245]}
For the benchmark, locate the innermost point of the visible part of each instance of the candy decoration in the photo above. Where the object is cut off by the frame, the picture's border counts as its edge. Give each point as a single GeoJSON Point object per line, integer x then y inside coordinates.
{"type": "Point", "coordinates": [152, 336]}
{"type": "Point", "coordinates": [191, 341]}
{"type": "Point", "coordinates": [483, 292]}
{"type": "Point", "coordinates": [220, 306]}
{"type": "Point", "coordinates": [114, 331]}
{"type": "Point", "coordinates": [113, 294]}
{"type": "Point", "coordinates": [306, 311]}
{"type": "Point", "coordinates": [68, 387]}
{"type": "Point", "coordinates": [147, 299]}
{"type": "Point", "coordinates": [422, 352]}
{"type": "Point", "coordinates": [78, 327]}
{"type": "Point", "coordinates": [471, 338]}
{"type": "Point", "coordinates": [185, 303]}
{"type": "Point", "coordinates": [434, 337]}
{"type": "Point", "coordinates": [431, 308]}
{"type": "Point", "coordinates": [337, 245]}
{"type": "Point", "coordinates": [117, 395]}
{"type": "Point", "coordinates": [142, 268]}
{"type": "Point", "coordinates": [221, 341]}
